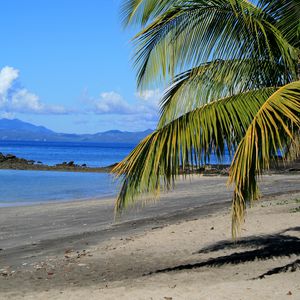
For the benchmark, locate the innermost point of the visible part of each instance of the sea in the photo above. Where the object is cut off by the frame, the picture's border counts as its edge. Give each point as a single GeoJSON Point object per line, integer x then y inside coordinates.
{"type": "Point", "coordinates": [18, 187]}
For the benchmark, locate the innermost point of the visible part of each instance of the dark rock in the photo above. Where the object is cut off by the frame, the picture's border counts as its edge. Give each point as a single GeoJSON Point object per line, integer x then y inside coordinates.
{"type": "Point", "coordinates": [112, 166]}
{"type": "Point", "coordinates": [10, 161]}
{"type": "Point", "coordinates": [293, 170]}
{"type": "Point", "coordinates": [2, 157]}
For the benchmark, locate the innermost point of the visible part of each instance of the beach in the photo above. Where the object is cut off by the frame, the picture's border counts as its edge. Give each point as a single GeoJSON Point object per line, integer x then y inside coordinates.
{"type": "Point", "coordinates": [179, 247]}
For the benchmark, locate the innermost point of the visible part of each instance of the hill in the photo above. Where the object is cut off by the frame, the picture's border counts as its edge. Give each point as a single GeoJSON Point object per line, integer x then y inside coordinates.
{"type": "Point", "coordinates": [17, 130]}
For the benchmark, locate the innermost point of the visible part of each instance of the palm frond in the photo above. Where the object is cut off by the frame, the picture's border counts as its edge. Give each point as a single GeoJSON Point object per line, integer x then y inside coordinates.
{"type": "Point", "coordinates": [232, 50]}
{"type": "Point", "coordinates": [293, 148]}
{"type": "Point", "coordinates": [190, 139]}
{"type": "Point", "coordinates": [141, 11]}
{"type": "Point", "coordinates": [286, 17]}
{"type": "Point", "coordinates": [277, 120]}
{"type": "Point", "coordinates": [213, 30]}
{"type": "Point", "coordinates": [217, 79]}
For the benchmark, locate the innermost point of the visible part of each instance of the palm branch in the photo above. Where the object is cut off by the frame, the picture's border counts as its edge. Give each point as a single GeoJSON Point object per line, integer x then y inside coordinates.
{"type": "Point", "coordinates": [217, 79]}
{"type": "Point", "coordinates": [232, 67]}
{"type": "Point", "coordinates": [212, 30]}
{"type": "Point", "coordinates": [189, 139]}
{"type": "Point", "coordinates": [276, 123]}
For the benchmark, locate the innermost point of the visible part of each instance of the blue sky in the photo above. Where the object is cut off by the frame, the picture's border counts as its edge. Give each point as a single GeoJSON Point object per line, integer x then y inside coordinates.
{"type": "Point", "coordinates": [66, 64]}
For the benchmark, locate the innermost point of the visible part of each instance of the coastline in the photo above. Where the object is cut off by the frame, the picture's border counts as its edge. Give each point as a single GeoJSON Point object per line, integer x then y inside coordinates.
{"type": "Point", "coordinates": [61, 169]}
{"type": "Point", "coordinates": [76, 249]}
{"type": "Point", "coordinates": [12, 162]}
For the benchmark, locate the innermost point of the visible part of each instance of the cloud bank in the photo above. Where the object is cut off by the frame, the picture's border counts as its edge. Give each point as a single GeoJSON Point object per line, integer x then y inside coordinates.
{"type": "Point", "coordinates": [145, 104]}
{"type": "Point", "coordinates": [110, 108]}
{"type": "Point", "coordinates": [14, 99]}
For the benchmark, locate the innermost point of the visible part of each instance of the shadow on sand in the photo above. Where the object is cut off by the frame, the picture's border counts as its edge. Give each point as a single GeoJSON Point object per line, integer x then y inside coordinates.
{"type": "Point", "coordinates": [258, 248]}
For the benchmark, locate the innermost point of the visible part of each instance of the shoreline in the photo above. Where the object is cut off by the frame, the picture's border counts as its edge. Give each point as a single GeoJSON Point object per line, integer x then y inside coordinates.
{"type": "Point", "coordinates": [56, 202]}
{"type": "Point", "coordinates": [46, 168]}
{"type": "Point", "coordinates": [63, 169]}
{"type": "Point", "coordinates": [217, 169]}
{"type": "Point", "coordinates": [112, 195]}
{"type": "Point", "coordinates": [12, 162]}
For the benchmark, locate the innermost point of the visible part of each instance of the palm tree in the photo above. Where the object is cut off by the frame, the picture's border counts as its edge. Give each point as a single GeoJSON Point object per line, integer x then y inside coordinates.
{"type": "Point", "coordinates": [233, 83]}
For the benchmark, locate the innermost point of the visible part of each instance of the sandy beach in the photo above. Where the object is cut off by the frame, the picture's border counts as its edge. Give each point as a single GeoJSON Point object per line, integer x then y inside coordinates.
{"type": "Point", "coordinates": [177, 248]}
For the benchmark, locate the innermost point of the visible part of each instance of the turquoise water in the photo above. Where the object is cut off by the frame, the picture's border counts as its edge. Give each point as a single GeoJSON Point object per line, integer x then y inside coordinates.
{"type": "Point", "coordinates": [32, 187]}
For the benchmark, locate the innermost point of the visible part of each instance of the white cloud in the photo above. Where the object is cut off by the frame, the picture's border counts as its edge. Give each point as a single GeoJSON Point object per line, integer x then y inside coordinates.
{"type": "Point", "coordinates": [112, 103]}
{"type": "Point", "coordinates": [23, 100]}
{"type": "Point", "coordinates": [150, 98]}
{"type": "Point", "coordinates": [144, 106]}
{"type": "Point", "coordinates": [138, 113]}
{"type": "Point", "coordinates": [20, 100]}
{"type": "Point", "coordinates": [150, 95]}
{"type": "Point", "coordinates": [7, 76]}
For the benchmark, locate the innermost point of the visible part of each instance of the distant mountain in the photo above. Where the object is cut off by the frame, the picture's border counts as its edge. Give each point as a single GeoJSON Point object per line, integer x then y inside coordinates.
{"type": "Point", "coordinates": [22, 131]}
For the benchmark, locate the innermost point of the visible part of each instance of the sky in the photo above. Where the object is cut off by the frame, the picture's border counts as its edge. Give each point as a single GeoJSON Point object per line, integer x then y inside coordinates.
{"type": "Point", "coordinates": [67, 65]}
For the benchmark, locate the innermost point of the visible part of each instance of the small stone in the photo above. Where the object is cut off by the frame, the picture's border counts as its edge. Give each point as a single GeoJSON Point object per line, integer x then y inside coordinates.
{"type": "Point", "coordinates": [81, 265]}
{"type": "Point", "coordinates": [4, 273]}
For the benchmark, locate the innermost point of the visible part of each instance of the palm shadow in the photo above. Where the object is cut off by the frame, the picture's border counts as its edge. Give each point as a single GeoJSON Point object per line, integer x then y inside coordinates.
{"type": "Point", "coordinates": [256, 248]}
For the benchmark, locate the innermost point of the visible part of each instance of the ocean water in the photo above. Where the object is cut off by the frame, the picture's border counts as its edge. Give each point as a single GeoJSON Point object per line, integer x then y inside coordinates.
{"type": "Point", "coordinates": [51, 153]}
{"type": "Point", "coordinates": [30, 187]}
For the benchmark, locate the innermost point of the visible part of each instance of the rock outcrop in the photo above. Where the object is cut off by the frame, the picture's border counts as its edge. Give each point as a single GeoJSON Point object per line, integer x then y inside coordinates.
{"type": "Point", "coordinates": [10, 161]}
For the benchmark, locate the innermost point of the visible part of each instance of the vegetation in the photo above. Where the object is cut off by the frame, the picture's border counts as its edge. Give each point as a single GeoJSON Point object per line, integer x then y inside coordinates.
{"type": "Point", "coordinates": [233, 82]}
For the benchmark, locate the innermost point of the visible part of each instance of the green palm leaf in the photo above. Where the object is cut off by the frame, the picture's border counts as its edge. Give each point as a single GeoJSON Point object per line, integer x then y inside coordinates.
{"type": "Point", "coordinates": [141, 11]}
{"type": "Point", "coordinates": [277, 118]}
{"type": "Point", "coordinates": [226, 61]}
{"type": "Point", "coordinates": [213, 30]}
{"type": "Point", "coordinates": [286, 17]}
{"type": "Point", "coordinates": [217, 79]}
{"type": "Point", "coordinates": [190, 139]}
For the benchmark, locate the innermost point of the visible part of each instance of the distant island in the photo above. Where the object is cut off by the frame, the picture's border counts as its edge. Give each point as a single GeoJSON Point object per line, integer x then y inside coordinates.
{"type": "Point", "coordinates": [17, 130]}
